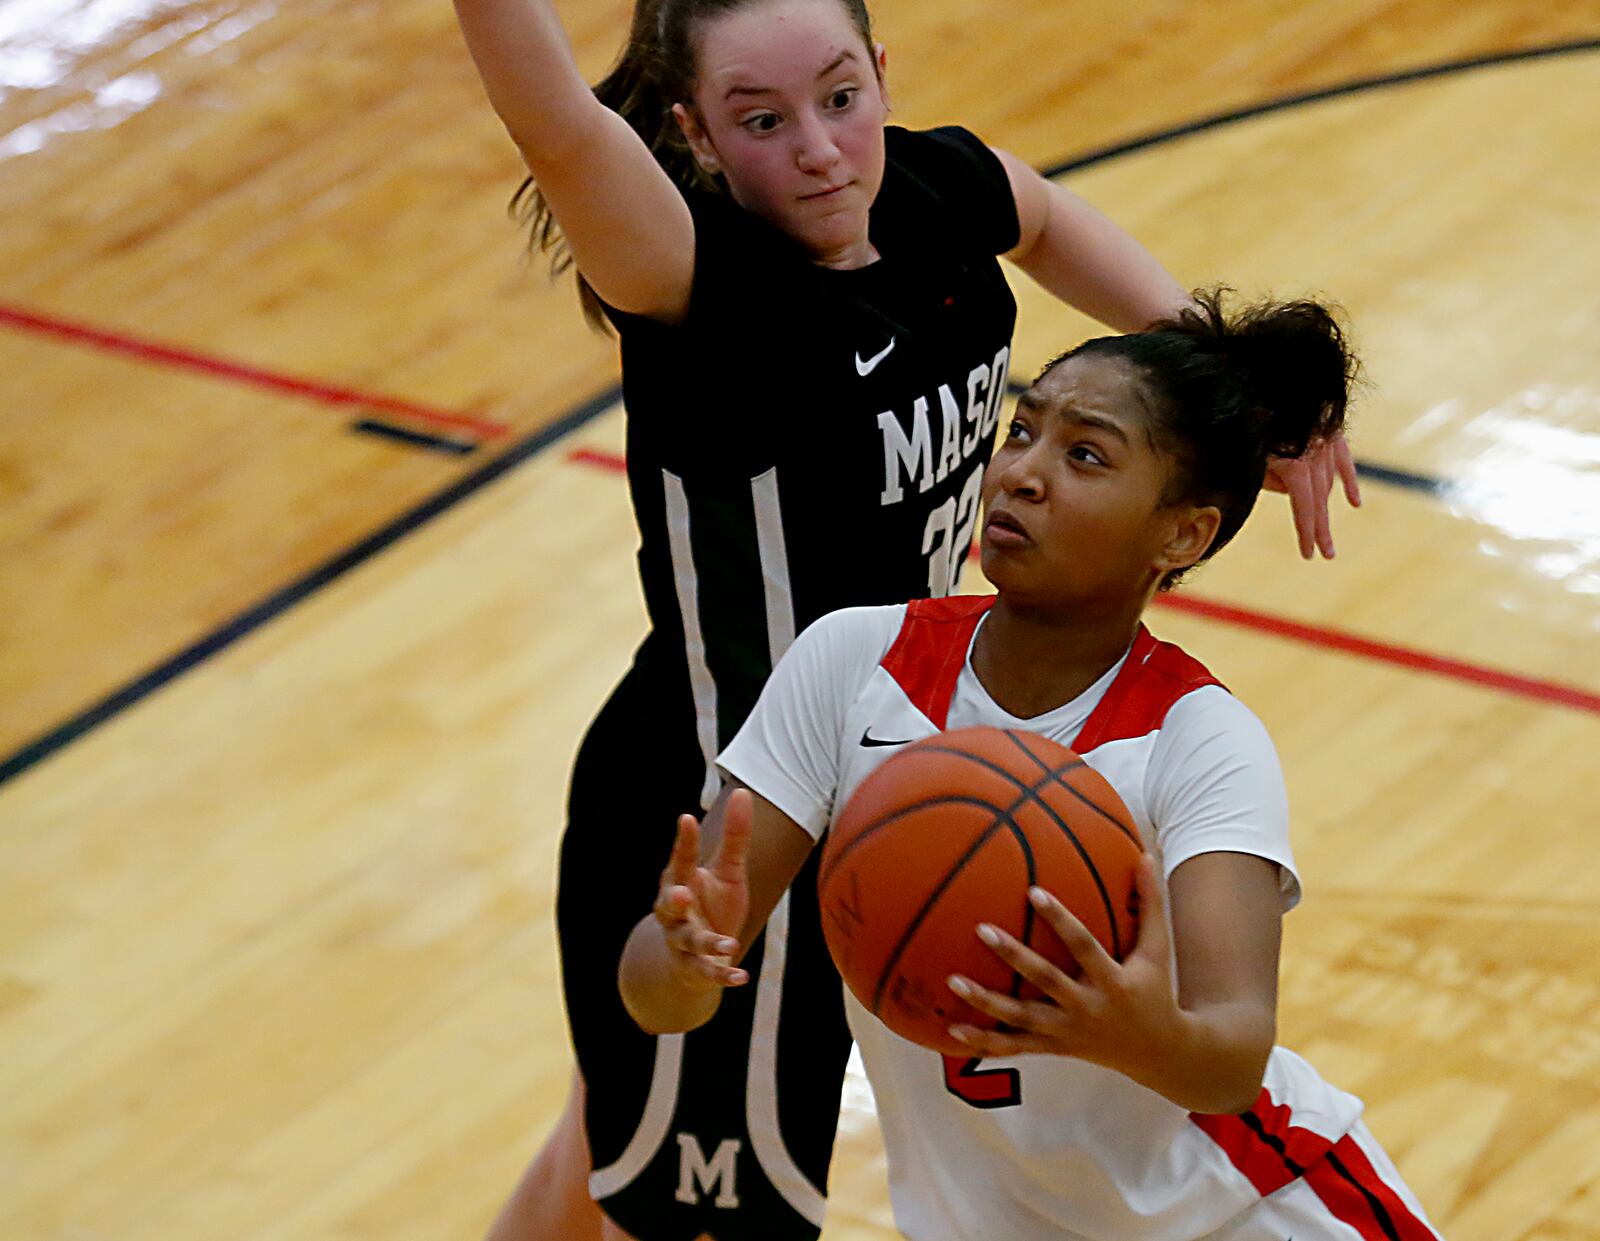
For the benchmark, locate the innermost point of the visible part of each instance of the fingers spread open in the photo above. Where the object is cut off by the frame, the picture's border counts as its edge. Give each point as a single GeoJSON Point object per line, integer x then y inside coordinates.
{"type": "Point", "coordinates": [674, 904]}
{"type": "Point", "coordinates": [1023, 1014]}
{"type": "Point", "coordinates": [685, 851]}
{"type": "Point", "coordinates": [1092, 959]}
{"type": "Point", "coordinates": [988, 1043]}
{"type": "Point", "coordinates": [1028, 963]}
{"type": "Point", "coordinates": [1346, 462]}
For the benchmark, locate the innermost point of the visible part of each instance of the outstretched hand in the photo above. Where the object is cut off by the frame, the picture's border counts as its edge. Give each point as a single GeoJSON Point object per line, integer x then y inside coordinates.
{"type": "Point", "coordinates": [1308, 481]}
{"type": "Point", "coordinates": [702, 908]}
{"type": "Point", "coordinates": [1117, 1014]}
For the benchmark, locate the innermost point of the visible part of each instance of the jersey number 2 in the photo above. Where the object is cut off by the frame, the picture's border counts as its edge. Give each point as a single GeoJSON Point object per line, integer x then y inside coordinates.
{"type": "Point", "coordinates": [981, 1087]}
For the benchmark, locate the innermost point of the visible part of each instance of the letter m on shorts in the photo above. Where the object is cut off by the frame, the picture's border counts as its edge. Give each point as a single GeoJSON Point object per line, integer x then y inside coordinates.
{"type": "Point", "coordinates": [716, 1174]}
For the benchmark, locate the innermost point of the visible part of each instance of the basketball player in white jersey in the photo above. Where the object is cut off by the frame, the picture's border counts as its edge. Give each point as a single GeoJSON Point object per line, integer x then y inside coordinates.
{"type": "Point", "coordinates": [815, 335]}
{"type": "Point", "coordinates": [1145, 1100]}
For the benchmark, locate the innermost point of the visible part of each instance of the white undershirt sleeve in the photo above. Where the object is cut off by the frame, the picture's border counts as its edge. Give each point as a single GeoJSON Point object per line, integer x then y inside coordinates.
{"type": "Point", "coordinates": [1216, 786]}
{"type": "Point", "coordinates": [790, 748]}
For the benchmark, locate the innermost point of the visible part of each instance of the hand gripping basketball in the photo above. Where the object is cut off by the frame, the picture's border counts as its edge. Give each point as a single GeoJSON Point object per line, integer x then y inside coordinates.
{"type": "Point", "coordinates": [702, 908]}
{"type": "Point", "coordinates": [1116, 1014]}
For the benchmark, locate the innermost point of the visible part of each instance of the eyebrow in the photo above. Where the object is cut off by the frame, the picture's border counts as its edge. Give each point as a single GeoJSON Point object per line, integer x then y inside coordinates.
{"type": "Point", "coordinates": [1035, 406]}
{"type": "Point", "coordinates": [1102, 424]}
{"type": "Point", "coordinates": [843, 56]}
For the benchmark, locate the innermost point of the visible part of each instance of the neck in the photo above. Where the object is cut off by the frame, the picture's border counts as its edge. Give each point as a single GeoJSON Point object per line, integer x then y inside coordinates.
{"type": "Point", "coordinates": [1032, 661]}
{"type": "Point", "coordinates": [860, 253]}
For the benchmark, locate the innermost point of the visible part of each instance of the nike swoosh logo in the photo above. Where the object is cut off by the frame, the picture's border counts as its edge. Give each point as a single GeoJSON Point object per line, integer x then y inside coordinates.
{"type": "Point", "coordinates": [871, 364]}
{"type": "Point", "coordinates": [867, 739]}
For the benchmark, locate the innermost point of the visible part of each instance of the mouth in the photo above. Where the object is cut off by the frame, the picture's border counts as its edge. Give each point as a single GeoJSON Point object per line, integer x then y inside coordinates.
{"type": "Point", "coordinates": [823, 195]}
{"type": "Point", "coordinates": [1004, 530]}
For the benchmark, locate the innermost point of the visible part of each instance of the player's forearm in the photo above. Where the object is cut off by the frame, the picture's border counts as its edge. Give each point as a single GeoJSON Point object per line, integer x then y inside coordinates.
{"type": "Point", "coordinates": [654, 991]}
{"type": "Point", "coordinates": [1092, 263]}
{"type": "Point", "coordinates": [529, 73]}
{"type": "Point", "coordinates": [1213, 1060]}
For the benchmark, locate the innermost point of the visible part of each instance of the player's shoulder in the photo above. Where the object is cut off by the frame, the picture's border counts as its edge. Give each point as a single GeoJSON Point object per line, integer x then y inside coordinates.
{"type": "Point", "coordinates": [1211, 722]}
{"type": "Point", "coordinates": [931, 175]}
{"type": "Point", "coordinates": [865, 631]}
{"type": "Point", "coordinates": [942, 141]}
{"type": "Point", "coordinates": [947, 162]}
{"type": "Point", "coordinates": [1194, 694]}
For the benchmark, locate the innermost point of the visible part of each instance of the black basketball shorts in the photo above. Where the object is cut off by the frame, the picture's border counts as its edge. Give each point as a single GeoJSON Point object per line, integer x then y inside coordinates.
{"type": "Point", "coordinates": [727, 1129]}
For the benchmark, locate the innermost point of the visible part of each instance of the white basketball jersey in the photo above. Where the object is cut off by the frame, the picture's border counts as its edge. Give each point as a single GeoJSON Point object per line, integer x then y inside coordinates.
{"type": "Point", "coordinates": [1046, 1147]}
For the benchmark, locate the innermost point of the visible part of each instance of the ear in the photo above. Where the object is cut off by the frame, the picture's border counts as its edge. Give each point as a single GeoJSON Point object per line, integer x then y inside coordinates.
{"type": "Point", "coordinates": [705, 154]}
{"type": "Point", "coordinates": [1189, 533]}
{"type": "Point", "coordinates": [880, 58]}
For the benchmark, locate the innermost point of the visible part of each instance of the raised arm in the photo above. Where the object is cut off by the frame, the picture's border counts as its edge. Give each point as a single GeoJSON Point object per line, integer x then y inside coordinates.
{"type": "Point", "coordinates": [628, 227]}
{"type": "Point", "coordinates": [1090, 262]}
{"type": "Point", "coordinates": [1084, 258]}
{"type": "Point", "coordinates": [719, 887]}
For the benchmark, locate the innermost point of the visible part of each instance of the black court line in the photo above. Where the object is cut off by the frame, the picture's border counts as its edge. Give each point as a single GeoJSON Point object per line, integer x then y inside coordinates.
{"type": "Point", "coordinates": [1401, 78]}
{"type": "Point", "coordinates": [416, 439]}
{"type": "Point", "coordinates": [274, 605]}
{"type": "Point", "coordinates": [231, 631]}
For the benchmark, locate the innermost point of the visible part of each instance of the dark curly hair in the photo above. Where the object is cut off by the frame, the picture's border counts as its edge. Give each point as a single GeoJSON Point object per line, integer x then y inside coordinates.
{"type": "Point", "coordinates": [1229, 388]}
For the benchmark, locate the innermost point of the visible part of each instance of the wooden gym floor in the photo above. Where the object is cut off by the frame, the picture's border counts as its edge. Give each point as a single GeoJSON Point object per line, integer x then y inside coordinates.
{"type": "Point", "coordinates": [314, 563]}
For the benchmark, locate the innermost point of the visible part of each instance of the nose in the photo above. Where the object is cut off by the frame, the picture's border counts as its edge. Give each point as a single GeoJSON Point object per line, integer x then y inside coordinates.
{"type": "Point", "coordinates": [816, 151]}
{"type": "Point", "coordinates": [1017, 472]}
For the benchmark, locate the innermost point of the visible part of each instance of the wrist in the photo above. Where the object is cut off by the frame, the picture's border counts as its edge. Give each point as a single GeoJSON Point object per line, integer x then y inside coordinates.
{"type": "Point", "coordinates": [661, 995]}
{"type": "Point", "coordinates": [1214, 1062]}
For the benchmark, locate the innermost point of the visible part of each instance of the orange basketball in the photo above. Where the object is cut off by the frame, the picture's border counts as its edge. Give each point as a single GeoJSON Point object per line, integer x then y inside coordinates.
{"type": "Point", "coordinates": [951, 832]}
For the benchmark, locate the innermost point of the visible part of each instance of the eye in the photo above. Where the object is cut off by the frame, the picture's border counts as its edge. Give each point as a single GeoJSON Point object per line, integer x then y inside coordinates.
{"type": "Point", "coordinates": [1018, 433]}
{"type": "Point", "coordinates": [1087, 454]}
{"type": "Point", "coordinates": [842, 98]}
{"type": "Point", "coordinates": [761, 123]}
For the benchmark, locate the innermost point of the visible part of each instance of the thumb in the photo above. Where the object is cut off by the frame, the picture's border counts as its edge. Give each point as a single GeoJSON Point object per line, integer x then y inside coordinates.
{"type": "Point", "coordinates": [1155, 924]}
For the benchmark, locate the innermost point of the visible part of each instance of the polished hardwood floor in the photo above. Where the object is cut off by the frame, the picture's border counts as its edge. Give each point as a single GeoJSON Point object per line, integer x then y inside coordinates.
{"type": "Point", "coordinates": [289, 705]}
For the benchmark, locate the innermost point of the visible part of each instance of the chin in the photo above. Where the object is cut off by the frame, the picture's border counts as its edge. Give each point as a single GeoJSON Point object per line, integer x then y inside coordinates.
{"type": "Point", "coordinates": [837, 228]}
{"type": "Point", "coordinates": [996, 569]}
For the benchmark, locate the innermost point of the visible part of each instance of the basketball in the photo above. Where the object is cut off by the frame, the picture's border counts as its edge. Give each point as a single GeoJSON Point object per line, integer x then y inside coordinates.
{"type": "Point", "coordinates": [949, 833]}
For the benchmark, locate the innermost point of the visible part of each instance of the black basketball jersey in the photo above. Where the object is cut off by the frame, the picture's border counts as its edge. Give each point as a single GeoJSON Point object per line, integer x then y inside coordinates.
{"type": "Point", "coordinates": [808, 439]}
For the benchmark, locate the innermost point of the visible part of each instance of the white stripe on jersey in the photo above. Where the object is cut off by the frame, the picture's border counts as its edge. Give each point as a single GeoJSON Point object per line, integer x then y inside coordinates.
{"type": "Point", "coordinates": [653, 1125]}
{"type": "Point", "coordinates": [761, 1083]}
{"type": "Point", "coordinates": [687, 582]}
{"type": "Point", "coordinates": [774, 563]}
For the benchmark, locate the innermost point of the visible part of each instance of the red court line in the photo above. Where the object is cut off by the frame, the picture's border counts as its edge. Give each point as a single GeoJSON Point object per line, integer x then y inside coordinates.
{"type": "Point", "coordinates": [1320, 636]}
{"type": "Point", "coordinates": [221, 368]}
{"type": "Point", "coordinates": [1384, 652]}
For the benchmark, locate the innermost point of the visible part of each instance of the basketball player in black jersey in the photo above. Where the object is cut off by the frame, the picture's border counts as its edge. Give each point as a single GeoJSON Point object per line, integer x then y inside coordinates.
{"type": "Point", "coordinates": [815, 338]}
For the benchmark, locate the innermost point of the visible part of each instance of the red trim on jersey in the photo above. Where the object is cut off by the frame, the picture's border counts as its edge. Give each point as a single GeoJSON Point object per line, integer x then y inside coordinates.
{"type": "Point", "coordinates": [931, 648]}
{"type": "Point", "coordinates": [1271, 1151]}
{"type": "Point", "coordinates": [1263, 1144]}
{"type": "Point", "coordinates": [1354, 1192]}
{"type": "Point", "coordinates": [1154, 677]}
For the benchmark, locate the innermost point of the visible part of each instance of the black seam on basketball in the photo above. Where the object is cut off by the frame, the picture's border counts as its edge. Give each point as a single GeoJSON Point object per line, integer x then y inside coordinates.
{"type": "Point", "coordinates": [1028, 919]}
{"type": "Point", "coordinates": [925, 748]}
{"type": "Point", "coordinates": [1379, 1211]}
{"type": "Point", "coordinates": [911, 928]}
{"type": "Point", "coordinates": [944, 799]}
{"type": "Point", "coordinates": [1002, 816]}
{"type": "Point", "coordinates": [1094, 873]}
{"type": "Point", "coordinates": [1015, 738]}
{"type": "Point", "coordinates": [1104, 814]}
{"type": "Point", "coordinates": [1032, 792]}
